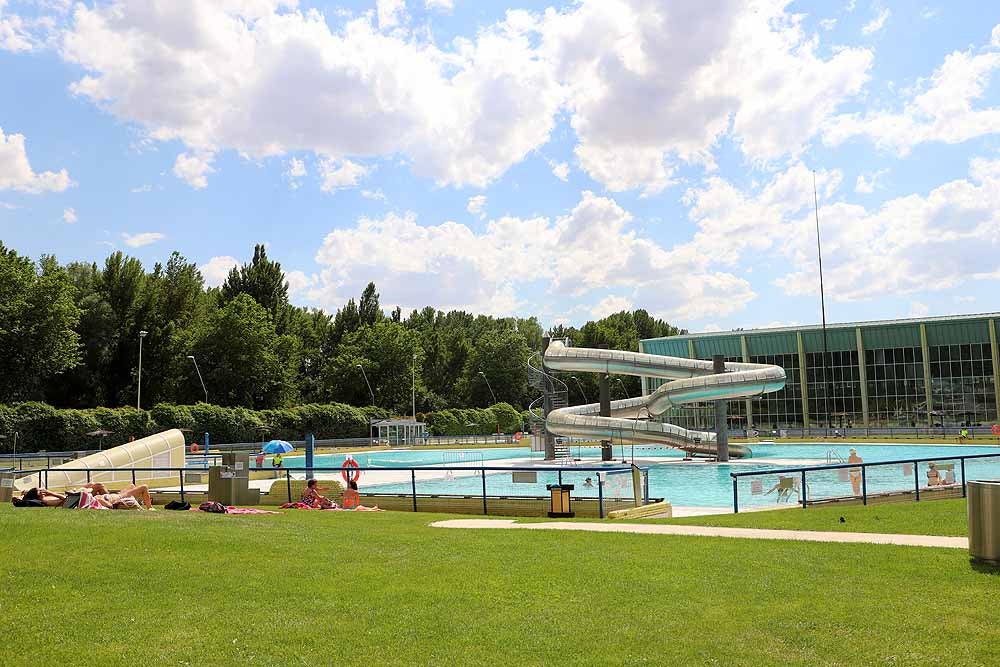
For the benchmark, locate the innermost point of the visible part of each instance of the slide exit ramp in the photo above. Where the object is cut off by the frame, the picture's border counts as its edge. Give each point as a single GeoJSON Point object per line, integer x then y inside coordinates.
{"type": "Point", "coordinates": [687, 381]}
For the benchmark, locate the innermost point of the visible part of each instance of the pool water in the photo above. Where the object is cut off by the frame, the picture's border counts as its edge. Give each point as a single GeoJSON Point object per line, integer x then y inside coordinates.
{"type": "Point", "coordinates": [686, 484]}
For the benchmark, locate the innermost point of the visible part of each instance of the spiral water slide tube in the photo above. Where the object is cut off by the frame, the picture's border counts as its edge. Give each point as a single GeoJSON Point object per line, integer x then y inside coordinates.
{"type": "Point", "coordinates": [688, 381]}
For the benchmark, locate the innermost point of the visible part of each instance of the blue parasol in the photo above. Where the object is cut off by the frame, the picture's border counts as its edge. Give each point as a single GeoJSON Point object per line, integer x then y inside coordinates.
{"type": "Point", "coordinates": [277, 447]}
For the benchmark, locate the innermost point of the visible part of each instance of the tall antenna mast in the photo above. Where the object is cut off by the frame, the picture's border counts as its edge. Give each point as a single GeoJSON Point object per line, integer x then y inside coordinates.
{"type": "Point", "coordinates": [822, 305]}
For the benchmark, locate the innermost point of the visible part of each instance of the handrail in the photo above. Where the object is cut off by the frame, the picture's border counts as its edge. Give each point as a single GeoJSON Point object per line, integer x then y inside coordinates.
{"type": "Point", "coordinates": [430, 468]}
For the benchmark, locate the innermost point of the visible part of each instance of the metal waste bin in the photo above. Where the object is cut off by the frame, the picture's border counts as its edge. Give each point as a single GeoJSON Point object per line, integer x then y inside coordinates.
{"type": "Point", "coordinates": [984, 520]}
{"type": "Point", "coordinates": [560, 501]}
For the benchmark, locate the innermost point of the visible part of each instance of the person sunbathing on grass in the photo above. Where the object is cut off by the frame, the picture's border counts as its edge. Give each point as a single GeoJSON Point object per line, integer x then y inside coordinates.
{"type": "Point", "coordinates": [312, 497]}
{"type": "Point", "coordinates": [128, 498]}
{"type": "Point", "coordinates": [35, 495]}
{"type": "Point", "coordinates": [352, 500]}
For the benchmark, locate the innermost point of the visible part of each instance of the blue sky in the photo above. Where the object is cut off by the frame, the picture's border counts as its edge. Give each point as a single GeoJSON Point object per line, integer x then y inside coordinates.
{"type": "Point", "coordinates": [560, 160]}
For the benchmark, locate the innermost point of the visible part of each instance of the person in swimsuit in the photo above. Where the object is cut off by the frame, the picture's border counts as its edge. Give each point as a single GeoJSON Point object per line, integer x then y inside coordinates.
{"type": "Point", "coordinates": [352, 500]}
{"type": "Point", "coordinates": [933, 476]}
{"type": "Point", "coordinates": [48, 498]}
{"type": "Point", "coordinates": [312, 498]}
{"type": "Point", "coordinates": [126, 498]}
{"type": "Point", "coordinates": [855, 473]}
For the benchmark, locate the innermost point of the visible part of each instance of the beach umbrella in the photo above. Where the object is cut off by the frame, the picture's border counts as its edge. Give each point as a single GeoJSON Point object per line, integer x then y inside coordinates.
{"type": "Point", "coordinates": [277, 447]}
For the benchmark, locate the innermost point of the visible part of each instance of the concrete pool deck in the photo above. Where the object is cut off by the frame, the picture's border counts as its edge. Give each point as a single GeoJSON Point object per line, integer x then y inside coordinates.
{"type": "Point", "coordinates": [711, 531]}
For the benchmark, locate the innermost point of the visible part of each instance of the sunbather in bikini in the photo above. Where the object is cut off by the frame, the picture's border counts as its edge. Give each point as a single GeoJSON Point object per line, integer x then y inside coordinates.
{"type": "Point", "coordinates": [46, 497]}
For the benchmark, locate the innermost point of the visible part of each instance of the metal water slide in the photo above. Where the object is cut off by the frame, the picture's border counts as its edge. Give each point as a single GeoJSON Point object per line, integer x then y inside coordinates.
{"type": "Point", "coordinates": [687, 381]}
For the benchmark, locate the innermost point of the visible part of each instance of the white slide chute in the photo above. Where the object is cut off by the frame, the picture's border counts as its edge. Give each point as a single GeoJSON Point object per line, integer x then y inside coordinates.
{"type": "Point", "coordinates": [687, 381]}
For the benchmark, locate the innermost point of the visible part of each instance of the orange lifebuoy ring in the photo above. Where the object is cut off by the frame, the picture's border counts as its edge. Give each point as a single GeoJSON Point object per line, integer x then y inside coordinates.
{"type": "Point", "coordinates": [518, 436]}
{"type": "Point", "coordinates": [349, 471]}
{"type": "Point", "coordinates": [194, 448]}
{"type": "Point", "coordinates": [996, 429]}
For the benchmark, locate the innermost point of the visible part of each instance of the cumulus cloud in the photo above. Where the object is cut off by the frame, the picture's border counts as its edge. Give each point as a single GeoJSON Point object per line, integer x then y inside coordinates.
{"type": "Point", "coordinates": [592, 247]}
{"type": "Point", "coordinates": [295, 170]}
{"type": "Point", "coordinates": [376, 195]}
{"type": "Point", "coordinates": [14, 34]}
{"type": "Point", "coordinates": [142, 188]}
{"type": "Point", "coordinates": [215, 270]}
{"type": "Point", "coordinates": [16, 172]}
{"type": "Point", "coordinates": [440, 5]}
{"type": "Point", "coordinates": [142, 239]}
{"type": "Point", "coordinates": [877, 23]}
{"type": "Point", "coordinates": [828, 24]}
{"type": "Point", "coordinates": [340, 174]}
{"type": "Point", "coordinates": [609, 305]}
{"type": "Point", "coordinates": [477, 206]}
{"type": "Point", "coordinates": [868, 182]}
{"type": "Point", "coordinates": [194, 169]}
{"type": "Point", "coordinates": [69, 216]}
{"type": "Point", "coordinates": [939, 109]}
{"type": "Point", "coordinates": [560, 170]}
{"type": "Point", "coordinates": [645, 84]}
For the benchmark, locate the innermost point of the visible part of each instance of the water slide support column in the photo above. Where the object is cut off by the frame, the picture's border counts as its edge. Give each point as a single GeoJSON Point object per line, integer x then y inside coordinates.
{"type": "Point", "coordinates": [803, 380]}
{"type": "Point", "coordinates": [861, 375]}
{"type": "Point", "coordinates": [928, 387]}
{"type": "Point", "coordinates": [721, 408]}
{"type": "Point", "coordinates": [605, 390]}
{"type": "Point", "coordinates": [550, 441]}
{"type": "Point", "coordinates": [746, 359]}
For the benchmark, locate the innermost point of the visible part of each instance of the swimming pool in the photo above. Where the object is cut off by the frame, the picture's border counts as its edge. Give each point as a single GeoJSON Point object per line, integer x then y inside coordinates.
{"type": "Point", "coordinates": [685, 484]}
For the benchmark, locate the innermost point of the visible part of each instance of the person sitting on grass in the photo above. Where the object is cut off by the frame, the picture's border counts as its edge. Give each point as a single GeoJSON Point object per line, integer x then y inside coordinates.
{"type": "Point", "coordinates": [352, 500]}
{"type": "Point", "coordinates": [312, 498]}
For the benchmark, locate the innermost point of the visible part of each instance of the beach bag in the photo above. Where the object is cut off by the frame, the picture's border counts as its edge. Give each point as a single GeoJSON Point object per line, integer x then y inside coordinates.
{"type": "Point", "coordinates": [213, 507]}
{"type": "Point", "coordinates": [72, 501]}
{"type": "Point", "coordinates": [177, 505]}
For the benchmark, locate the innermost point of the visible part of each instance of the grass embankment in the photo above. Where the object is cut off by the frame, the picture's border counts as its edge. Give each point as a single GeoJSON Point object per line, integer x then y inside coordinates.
{"type": "Point", "coordinates": [934, 517]}
{"type": "Point", "coordinates": [337, 588]}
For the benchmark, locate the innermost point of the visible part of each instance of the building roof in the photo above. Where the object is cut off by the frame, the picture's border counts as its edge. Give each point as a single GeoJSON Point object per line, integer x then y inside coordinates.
{"type": "Point", "coordinates": [396, 422]}
{"type": "Point", "coordinates": [841, 325]}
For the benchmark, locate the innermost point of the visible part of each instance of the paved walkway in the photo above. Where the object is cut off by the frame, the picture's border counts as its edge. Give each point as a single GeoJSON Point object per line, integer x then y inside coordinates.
{"type": "Point", "coordinates": [710, 531]}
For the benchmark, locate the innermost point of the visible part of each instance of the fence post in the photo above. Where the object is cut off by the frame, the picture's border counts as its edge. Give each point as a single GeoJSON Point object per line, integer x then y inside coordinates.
{"type": "Point", "coordinates": [804, 489]}
{"type": "Point", "coordinates": [133, 476]}
{"type": "Point", "coordinates": [413, 483]}
{"type": "Point", "coordinates": [963, 477]}
{"type": "Point", "coordinates": [864, 484]}
{"type": "Point", "coordinates": [736, 497]}
{"type": "Point", "coordinates": [560, 477]}
{"type": "Point", "coordinates": [181, 472]}
{"type": "Point", "coordinates": [600, 496]}
{"type": "Point", "coordinates": [288, 484]}
{"type": "Point", "coordinates": [484, 492]}
{"type": "Point", "coordinates": [916, 479]}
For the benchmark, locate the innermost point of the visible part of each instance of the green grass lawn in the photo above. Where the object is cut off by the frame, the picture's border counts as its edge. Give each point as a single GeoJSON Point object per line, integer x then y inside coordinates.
{"type": "Point", "coordinates": [933, 517]}
{"type": "Point", "coordinates": [385, 589]}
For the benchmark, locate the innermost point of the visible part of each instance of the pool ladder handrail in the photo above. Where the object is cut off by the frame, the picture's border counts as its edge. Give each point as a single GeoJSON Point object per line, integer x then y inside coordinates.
{"type": "Point", "coordinates": [833, 456]}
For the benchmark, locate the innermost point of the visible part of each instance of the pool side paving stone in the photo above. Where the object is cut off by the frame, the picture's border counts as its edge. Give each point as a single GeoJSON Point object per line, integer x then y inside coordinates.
{"type": "Point", "coordinates": [712, 531]}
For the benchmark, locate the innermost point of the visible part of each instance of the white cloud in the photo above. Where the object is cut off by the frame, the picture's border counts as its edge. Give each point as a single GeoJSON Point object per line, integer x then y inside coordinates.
{"type": "Point", "coordinates": [14, 35]}
{"type": "Point", "coordinates": [299, 282]}
{"type": "Point", "coordinates": [646, 85]}
{"type": "Point", "coordinates": [194, 169]}
{"type": "Point", "coordinates": [851, 4]}
{"type": "Point", "coordinates": [477, 205]}
{"type": "Point", "coordinates": [877, 23]}
{"type": "Point", "coordinates": [711, 328]}
{"type": "Point", "coordinates": [940, 109]}
{"type": "Point", "coordinates": [593, 247]}
{"type": "Point", "coordinates": [609, 305]}
{"type": "Point", "coordinates": [142, 239]}
{"type": "Point", "coordinates": [340, 174]}
{"type": "Point", "coordinates": [142, 188]}
{"type": "Point", "coordinates": [964, 299]}
{"type": "Point", "coordinates": [16, 172]}
{"type": "Point", "coordinates": [390, 12]}
{"type": "Point", "coordinates": [440, 5]}
{"type": "Point", "coordinates": [995, 37]}
{"type": "Point", "coordinates": [69, 216]}
{"type": "Point", "coordinates": [928, 13]}
{"type": "Point", "coordinates": [216, 270]}
{"type": "Point", "coordinates": [828, 24]}
{"type": "Point", "coordinates": [918, 309]}
{"type": "Point", "coordinates": [376, 195]}
{"type": "Point", "coordinates": [560, 170]}
{"type": "Point", "coordinates": [295, 170]}
{"type": "Point", "coordinates": [868, 182]}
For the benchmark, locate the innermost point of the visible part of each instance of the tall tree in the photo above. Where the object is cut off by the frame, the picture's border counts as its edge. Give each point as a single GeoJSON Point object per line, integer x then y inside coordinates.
{"type": "Point", "coordinates": [264, 281]}
{"type": "Point", "coordinates": [369, 310]}
{"type": "Point", "coordinates": [38, 317]}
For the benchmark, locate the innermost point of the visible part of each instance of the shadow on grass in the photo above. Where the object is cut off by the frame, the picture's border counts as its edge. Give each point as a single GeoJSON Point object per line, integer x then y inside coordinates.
{"type": "Point", "coordinates": [985, 568]}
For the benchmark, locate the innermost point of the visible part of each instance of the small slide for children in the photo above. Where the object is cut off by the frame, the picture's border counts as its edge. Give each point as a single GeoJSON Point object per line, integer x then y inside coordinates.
{"type": "Point", "coordinates": [688, 381]}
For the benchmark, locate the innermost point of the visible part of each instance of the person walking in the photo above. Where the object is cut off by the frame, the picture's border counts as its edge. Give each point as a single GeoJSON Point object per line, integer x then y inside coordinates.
{"type": "Point", "coordinates": [855, 473]}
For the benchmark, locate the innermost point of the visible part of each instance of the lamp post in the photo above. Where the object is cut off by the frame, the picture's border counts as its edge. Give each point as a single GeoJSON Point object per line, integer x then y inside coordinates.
{"type": "Point", "coordinates": [413, 388]}
{"type": "Point", "coordinates": [623, 386]}
{"type": "Point", "coordinates": [191, 357]}
{"type": "Point", "coordinates": [580, 386]}
{"type": "Point", "coordinates": [365, 375]}
{"type": "Point", "coordinates": [138, 393]}
{"type": "Point", "coordinates": [489, 387]}
{"type": "Point", "coordinates": [822, 306]}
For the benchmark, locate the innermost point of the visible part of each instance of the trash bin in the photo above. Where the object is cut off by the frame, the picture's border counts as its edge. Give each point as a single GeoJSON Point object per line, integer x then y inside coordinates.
{"type": "Point", "coordinates": [560, 501]}
{"type": "Point", "coordinates": [984, 520]}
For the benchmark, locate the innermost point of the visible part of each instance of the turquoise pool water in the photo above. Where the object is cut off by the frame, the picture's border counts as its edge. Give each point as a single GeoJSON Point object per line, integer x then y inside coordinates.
{"type": "Point", "coordinates": [693, 484]}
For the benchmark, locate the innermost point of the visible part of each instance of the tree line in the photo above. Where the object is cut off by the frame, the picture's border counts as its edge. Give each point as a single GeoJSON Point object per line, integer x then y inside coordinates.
{"type": "Point", "coordinates": [70, 337]}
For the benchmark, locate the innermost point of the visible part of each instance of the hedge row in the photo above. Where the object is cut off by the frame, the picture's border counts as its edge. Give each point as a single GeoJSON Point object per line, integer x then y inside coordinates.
{"type": "Point", "coordinates": [41, 427]}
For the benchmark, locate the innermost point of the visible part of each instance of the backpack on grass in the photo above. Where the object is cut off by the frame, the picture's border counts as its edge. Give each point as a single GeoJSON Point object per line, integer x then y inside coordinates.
{"type": "Point", "coordinates": [213, 507]}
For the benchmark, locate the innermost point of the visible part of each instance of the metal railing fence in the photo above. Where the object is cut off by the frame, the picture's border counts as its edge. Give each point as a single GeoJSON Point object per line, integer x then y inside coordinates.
{"type": "Point", "coordinates": [800, 484]}
{"type": "Point", "coordinates": [601, 473]}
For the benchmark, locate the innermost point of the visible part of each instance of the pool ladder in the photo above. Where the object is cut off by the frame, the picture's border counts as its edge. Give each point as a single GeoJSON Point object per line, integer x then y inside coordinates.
{"type": "Point", "coordinates": [833, 456]}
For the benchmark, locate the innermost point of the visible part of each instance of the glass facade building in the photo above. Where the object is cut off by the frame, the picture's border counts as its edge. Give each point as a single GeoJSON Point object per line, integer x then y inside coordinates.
{"type": "Point", "coordinates": [920, 372]}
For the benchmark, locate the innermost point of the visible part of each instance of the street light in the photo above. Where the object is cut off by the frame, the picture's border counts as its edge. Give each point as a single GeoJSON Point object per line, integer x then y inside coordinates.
{"type": "Point", "coordinates": [365, 375]}
{"type": "Point", "coordinates": [489, 387]}
{"type": "Point", "coordinates": [191, 357]}
{"type": "Point", "coordinates": [138, 393]}
{"type": "Point", "coordinates": [575, 378]}
{"type": "Point", "coordinates": [413, 388]}
{"type": "Point", "coordinates": [623, 386]}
